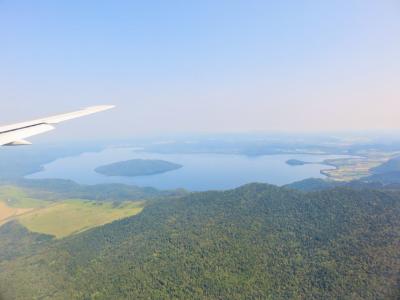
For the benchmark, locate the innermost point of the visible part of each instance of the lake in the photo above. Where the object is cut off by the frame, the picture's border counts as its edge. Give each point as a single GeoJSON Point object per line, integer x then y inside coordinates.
{"type": "Point", "coordinates": [200, 171]}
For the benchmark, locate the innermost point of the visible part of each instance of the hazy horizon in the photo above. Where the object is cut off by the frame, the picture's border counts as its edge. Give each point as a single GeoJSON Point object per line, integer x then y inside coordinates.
{"type": "Point", "coordinates": [231, 66]}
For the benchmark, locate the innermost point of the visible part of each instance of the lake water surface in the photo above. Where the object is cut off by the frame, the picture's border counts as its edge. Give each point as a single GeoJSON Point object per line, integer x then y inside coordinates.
{"type": "Point", "coordinates": [200, 171]}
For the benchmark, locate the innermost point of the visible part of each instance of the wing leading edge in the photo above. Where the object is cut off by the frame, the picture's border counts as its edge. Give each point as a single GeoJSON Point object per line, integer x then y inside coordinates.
{"type": "Point", "coordinates": [15, 134]}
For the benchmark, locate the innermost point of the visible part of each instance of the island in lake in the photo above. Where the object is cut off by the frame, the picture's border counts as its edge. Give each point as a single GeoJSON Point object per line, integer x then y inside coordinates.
{"type": "Point", "coordinates": [137, 167]}
{"type": "Point", "coordinates": [296, 162]}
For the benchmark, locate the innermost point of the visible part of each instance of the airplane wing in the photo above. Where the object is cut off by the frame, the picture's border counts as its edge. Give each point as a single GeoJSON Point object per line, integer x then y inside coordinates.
{"type": "Point", "coordinates": [15, 134]}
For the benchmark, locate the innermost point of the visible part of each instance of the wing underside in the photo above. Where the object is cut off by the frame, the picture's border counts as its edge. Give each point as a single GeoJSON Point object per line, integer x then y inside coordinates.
{"type": "Point", "coordinates": [15, 134]}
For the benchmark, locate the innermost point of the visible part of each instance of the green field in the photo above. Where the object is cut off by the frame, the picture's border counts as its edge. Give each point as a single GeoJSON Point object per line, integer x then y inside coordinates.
{"type": "Point", "coordinates": [61, 218]}
{"type": "Point", "coordinates": [73, 216]}
{"type": "Point", "coordinates": [19, 198]}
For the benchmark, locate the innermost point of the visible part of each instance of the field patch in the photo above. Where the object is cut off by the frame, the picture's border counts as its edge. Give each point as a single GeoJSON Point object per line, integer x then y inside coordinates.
{"type": "Point", "coordinates": [8, 212]}
{"type": "Point", "coordinates": [18, 198]}
{"type": "Point", "coordinates": [14, 202]}
{"type": "Point", "coordinates": [63, 217]}
{"type": "Point", "coordinates": [73, 216]}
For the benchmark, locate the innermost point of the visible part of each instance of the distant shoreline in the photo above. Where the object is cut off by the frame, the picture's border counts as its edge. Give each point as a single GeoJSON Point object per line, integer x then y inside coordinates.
{"type": "Point", "coordinates": [326, 162]}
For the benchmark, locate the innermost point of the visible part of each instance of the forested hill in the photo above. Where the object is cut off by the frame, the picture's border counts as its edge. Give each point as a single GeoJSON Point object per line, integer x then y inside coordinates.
{"type": "Point", "coordinates": [254, 242]}
{"type": "Point", "coordinates": [387, 173]}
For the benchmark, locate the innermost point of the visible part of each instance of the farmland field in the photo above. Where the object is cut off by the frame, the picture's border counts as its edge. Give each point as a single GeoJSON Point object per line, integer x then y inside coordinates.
{"type": "Point", "coordinates": [63, 217]}
{"type": "Point", "coordinates": [8, 212]}
{"type": "Point", "coordinates": [17, 197]}
{"type": "Point", "coordinates": [353, 168]}
{"type": "Point", "coordinates": [73, 216]}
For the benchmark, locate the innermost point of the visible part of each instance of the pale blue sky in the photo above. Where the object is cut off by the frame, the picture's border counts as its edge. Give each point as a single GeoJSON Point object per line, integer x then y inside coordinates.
{"type": "Point", "coordinates": [202, 66]}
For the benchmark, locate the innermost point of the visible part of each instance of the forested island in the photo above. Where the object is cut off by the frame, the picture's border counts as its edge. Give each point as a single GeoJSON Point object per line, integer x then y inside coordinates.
{"type": "Point", "coordinates": [296, 162]}
{"type": "Point", "coordinates": [137, 167]}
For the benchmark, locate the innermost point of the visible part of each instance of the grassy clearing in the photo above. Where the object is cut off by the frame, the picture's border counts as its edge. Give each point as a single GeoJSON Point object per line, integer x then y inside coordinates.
{"type": "Point", "coordinates": [8, 212]}
{"type": "Point", "coordinates": [14, 202]}
{"type": "Point", "coordinates": [18, 198]}
{"type": "Point", "coordinates": [63, 217]}
{"type": "Point", "coordinates": [73, 216]}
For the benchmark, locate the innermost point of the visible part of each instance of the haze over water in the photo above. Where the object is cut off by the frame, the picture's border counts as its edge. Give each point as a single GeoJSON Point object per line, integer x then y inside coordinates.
{"type": "Point", "coordinates": [200, 171]}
